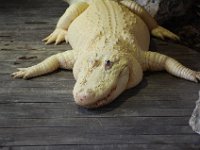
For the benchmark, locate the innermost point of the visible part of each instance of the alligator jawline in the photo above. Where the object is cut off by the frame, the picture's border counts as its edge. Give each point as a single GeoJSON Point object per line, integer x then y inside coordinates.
{"type": "Point", "coordinates": [103, 101]}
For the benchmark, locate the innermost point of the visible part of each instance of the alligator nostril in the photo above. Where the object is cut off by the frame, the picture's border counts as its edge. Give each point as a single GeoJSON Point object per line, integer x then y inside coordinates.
{"type": "Point", "coordinates": [83, 98]}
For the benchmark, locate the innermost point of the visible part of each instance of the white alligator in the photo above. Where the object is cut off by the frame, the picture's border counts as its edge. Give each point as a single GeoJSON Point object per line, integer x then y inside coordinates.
{"type": "Point", "coordinates": [110, 41]}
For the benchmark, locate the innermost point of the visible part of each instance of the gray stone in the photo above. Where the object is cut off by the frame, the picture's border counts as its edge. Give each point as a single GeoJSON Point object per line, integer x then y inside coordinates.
{"type": "Point", "coordinates": [152, 6]}
{"type": "Point", "coordinates": [195, 118]}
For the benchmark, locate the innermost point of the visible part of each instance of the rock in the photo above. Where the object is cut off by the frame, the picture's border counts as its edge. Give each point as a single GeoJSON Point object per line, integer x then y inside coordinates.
{"type": "Point", "coordinates": [152, 6]}
{"type": "Point", "coordinates": [195, 118]}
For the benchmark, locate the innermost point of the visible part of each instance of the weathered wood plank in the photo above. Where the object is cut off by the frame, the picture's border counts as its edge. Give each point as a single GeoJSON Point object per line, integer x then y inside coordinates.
{"type": "Point", "coordinates": [85, 138]}
{"type": "Point", "coordinates": [41, 114]}
{"type": "Point", "coordinates": [110, 147]}
{"type": "Point", "coordinates": [58, 102]}
{"type": "Point", "coordinates": [93, 130]}
{"type": "Point", "coordinates": [71, 110]}
{"type": "Point", "coordinates": [123, 126]}
{"type": "Point", "coordinates": [95, 122]}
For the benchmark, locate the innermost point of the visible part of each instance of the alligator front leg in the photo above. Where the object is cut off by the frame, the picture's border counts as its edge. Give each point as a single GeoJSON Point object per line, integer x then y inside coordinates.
{"type": "Point", "coordinates": [64, 60]}
{"type": "Point", "coordinates": [60, 33]}
{"type": "Point", "coordinates": [156, 62]}
{"type": "Point", "coordinates": [152, 24]}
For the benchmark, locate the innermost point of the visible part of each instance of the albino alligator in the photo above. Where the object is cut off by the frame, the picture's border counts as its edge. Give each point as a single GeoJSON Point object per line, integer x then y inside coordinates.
{"type": "Point", "coordinates": [110, 41]}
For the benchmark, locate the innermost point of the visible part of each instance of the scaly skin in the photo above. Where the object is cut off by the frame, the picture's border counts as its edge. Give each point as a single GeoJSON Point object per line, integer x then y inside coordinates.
{"type": "Point", "coordinates": [110, 42]}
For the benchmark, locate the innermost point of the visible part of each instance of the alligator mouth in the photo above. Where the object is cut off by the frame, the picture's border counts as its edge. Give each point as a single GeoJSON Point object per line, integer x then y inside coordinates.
{"type": "Point", "coordinates": [103, 101]}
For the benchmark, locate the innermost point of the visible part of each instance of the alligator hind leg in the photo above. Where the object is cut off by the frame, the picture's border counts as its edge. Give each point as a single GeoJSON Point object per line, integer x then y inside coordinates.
{"type": "Point", "coordinates": [153, 26]}
{"type": "Point", "coordinates": [156, 62]}
{"type": "Point", "coordinates": [64, 22]}
{"type": "Point", "coordinates": [62, 60]}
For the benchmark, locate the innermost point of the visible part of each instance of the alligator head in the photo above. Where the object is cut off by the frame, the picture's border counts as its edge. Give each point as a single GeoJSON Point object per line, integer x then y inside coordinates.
{"type": "Point", "coordinates": [102, 76]}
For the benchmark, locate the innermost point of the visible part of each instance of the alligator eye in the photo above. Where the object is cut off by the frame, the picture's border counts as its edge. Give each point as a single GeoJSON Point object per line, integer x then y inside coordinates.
{"type": "Point", "coordinates": [108, 64]}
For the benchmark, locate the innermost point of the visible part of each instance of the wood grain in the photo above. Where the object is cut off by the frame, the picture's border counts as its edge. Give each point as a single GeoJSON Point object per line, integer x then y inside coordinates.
{"type": "Point", "coordinates": [40, 114]}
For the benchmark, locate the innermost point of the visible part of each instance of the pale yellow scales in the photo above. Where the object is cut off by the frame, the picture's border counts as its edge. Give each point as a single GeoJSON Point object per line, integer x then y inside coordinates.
{"type": "Point", "coordinates": [110, 41]}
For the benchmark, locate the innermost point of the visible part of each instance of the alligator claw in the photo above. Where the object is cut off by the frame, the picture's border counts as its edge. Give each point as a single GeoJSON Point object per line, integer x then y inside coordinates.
{"type": "Point", "coordinates": [56, 37]}
{"type": "Point", "coordinates": [21, 73]}
{"type": "Point", "coordinates": [163, 33]}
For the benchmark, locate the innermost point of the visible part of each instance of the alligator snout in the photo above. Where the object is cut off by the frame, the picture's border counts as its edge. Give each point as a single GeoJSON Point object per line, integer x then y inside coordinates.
{"type": "Point", "coordinates": [85, 97]}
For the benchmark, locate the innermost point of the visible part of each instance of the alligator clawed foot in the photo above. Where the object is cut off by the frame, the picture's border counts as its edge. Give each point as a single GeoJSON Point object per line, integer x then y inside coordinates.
{"type": "Point", "coordinates": [21, 73]}
{"type": "Point", "coordinates": [163, 33]}
{"type": "Point", "coordinates": [56, 37]}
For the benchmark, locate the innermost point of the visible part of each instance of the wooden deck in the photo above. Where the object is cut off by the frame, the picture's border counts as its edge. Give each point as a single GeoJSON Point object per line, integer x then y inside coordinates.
{"type": "Point", "coordinates": [40, 114]}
